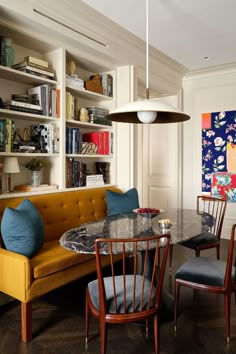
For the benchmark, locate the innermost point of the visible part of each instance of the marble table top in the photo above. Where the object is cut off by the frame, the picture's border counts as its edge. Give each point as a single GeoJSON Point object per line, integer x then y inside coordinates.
{"type": "Point", "coordinates": [186, 224]}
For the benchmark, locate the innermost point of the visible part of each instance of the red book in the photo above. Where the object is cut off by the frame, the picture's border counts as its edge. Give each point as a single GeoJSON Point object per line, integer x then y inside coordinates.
{"type": "Point", "coordinates": [96, 138]}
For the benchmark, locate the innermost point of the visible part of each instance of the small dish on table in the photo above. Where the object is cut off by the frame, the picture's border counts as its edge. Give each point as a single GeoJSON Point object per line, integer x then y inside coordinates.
{"type": "Point", "coordinates": [148, 213]}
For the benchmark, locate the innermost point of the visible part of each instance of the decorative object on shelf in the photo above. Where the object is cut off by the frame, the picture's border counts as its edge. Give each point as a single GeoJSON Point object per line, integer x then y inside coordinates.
{"type": "Point", "coordinates": [89, 148]}
{"type": "Point", "coordinates": [9, 52]}
{"type": "Point", "coordinates": [72, 68]}
{"type": "Point", "coordinates": [148, 110]}
{"type": "Point", "coordinates": [83, 116]}
{"type": "Point", "coordinates": [104, 169]}
{"type": "Point", "coordinates": [94, 180]}
{"type": "Point", "coordinates": [36, 177]}
{"type": "Point", "coordinates": [35, 165]}
{"type": "Point", "coordinates": [94, 84]}
{"type": "Point", "coordinates": [10, 165]}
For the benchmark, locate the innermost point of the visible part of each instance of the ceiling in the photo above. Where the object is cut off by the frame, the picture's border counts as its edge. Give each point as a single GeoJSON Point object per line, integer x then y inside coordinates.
{"type": "Point", "coordinates": [197, 34]}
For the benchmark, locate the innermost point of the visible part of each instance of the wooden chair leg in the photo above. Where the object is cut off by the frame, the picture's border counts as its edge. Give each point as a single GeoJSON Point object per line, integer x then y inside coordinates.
{"type": "Point", "coordinates": [197, 252]}
{"type": "Point", "coordinates": [147, 329]}
{"type": "Point", "coordinates": [26, 322]}
{"type": "Point", "coordinates": [86, 320]}
{"type": "Point", "coordinates": [227, 298]}
{"type": "Point", "coordinates": [103, 334]}
{"type": "Point", "coordinates": [170, 256]}
{"type": "Point", "coordinates": [176, 304]}
{"type": "Point", "coordinates": [156, 334]}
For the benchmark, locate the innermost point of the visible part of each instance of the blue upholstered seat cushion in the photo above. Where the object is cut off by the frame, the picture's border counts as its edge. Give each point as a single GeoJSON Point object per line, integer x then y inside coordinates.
{"type": "Point", "coordinates": [93, 291]}
{"type": "Point", "coordinates": [206, 238]}
{"type": "Point", "coordinates": [203, 270]}
{"type": "Point", "coordinates": [22, 229]}
{"type": "Point", "coordinates": [121, 203]}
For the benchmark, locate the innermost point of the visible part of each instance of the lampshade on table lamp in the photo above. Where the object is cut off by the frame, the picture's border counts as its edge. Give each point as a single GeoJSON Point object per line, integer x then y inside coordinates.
{"type": "Point", "coordinates": [10, 165]}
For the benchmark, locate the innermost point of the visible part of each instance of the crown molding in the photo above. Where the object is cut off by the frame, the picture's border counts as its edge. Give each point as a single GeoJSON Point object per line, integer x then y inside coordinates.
{"type": "Point", "coordinates": [80, 29]}
{"type": "Point", "coordinates": [217, 70]}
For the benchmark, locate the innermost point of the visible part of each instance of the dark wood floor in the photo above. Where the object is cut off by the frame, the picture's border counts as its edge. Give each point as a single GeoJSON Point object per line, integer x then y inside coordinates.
{"type": "Point", "coordinates": [58, 323]}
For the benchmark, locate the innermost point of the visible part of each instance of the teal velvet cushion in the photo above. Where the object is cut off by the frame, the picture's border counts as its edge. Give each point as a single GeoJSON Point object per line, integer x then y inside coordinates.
{"type": "Point", "coordinates": [22, 229]}
{"type": "Point", "coordinates": [118, 203]}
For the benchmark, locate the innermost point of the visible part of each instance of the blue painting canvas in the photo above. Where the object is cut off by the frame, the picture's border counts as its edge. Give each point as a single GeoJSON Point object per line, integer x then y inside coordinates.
{"type": "Point", "coordinates": [218, 145]}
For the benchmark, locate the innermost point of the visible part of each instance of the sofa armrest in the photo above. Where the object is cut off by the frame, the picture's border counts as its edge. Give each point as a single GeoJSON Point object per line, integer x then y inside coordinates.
{"type": "Point", "coordinates": [15, 274]}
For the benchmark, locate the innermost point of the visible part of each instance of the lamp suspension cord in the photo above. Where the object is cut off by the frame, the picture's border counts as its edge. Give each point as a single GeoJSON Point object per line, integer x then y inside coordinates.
{"type": "Point", "coordinates": [147, 47]}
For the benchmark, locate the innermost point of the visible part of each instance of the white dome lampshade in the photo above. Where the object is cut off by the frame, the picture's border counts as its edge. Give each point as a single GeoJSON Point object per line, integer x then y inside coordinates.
{"type": "Point", "coordinates": [147, 111]}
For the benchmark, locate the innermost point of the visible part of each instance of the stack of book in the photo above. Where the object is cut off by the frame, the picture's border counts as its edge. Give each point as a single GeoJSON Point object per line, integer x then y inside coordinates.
{"type": "Point", "coordinates": [98, 115]}
{"type": "Point", "coordinates": [36, 67]}
{"type": "Point", "coordinates": [39, 188]}
{"type": "Point", "coordinates": [75, 82]}
{"type": "Point", "coordinates": [15, 105]}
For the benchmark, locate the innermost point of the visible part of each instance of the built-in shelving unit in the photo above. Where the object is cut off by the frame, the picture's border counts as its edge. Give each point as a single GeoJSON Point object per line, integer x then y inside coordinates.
{"type": "Point", "coordinates": [13, 81]}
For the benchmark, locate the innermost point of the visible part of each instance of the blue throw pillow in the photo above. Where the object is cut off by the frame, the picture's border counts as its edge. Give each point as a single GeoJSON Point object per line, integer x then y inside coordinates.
{"type": "Point", "coordinates": [22, 229]}
{"type": "Point", "coordinates": [118, 203]}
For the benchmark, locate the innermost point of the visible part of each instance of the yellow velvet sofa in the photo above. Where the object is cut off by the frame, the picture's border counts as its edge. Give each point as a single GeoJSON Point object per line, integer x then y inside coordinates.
{"type": "Point", "coordinates": [26, 279]}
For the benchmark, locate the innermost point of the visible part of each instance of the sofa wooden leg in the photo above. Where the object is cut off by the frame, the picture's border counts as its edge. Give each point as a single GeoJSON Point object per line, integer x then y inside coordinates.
{"type": "Point", "coordinates": [26, 321]}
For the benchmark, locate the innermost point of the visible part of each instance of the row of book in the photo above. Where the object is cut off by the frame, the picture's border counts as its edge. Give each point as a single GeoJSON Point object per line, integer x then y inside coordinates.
{"type": "Point", "coordinates": [95, 115]}
{"type": "Point", "coordinates": [76, 172]}
{"type": "Point", "coordinates": [7, 127]}
{"type": "Point", "coordinates": [44, 138]}
{"type": "Point", "coordinates": [46, 101]}
{"type": "Point", "coordinates": [103, 140]}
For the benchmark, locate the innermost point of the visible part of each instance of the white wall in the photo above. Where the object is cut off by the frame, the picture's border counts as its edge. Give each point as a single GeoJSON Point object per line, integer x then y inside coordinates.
{"type": "Point", "coordinates": [206, 91]}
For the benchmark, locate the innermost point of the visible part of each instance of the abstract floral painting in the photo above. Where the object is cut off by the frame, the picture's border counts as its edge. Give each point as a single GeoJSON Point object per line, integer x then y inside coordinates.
{"type": "Point", "coordinates": [219, 149]}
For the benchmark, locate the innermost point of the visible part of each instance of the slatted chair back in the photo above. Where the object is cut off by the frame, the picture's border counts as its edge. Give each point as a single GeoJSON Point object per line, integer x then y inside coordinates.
{"type": "Point", "coordinates": [131, 293]}
{"type": "Point", "coordinates": [215, 207]}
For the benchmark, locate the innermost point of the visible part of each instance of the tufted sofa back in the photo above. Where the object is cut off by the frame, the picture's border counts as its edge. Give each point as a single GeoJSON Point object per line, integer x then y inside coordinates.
{"type": "Point", "coordinates": [62, 211]}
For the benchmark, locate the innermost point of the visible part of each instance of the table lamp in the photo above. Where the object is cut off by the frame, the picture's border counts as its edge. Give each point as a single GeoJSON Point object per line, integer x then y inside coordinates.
{"type": "Point", "coordinates": [10, 165]}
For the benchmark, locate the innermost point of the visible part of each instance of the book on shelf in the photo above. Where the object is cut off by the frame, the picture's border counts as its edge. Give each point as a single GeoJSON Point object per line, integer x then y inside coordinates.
{"type": "Point", "coordinates": [75, 82]}
{"type": "Point", "coordinates": [38, 61]}
{"type": "Point", "coordinates": [22, 104]}
{"type": "Point", "coordinates": [107, 84]}
{"type": "Point", "coordinates": [37, 72]}
{"type": "Point", "coordinates": [43, 94]}
{"type": "Point", "coordinates": [47, 135]}
{"type": "Point", "coordinates": [73, 140]}
{"type": "Point", "coordinates": [23, 109]}
{"type": "Point", "coordinates": [2, 51]}
{"type": "Point", "coordinates": [26, 64]}
{"type": "Point", "coordinates": [102, 139]}
{"type": "Point", "coordinates": [30, 188]}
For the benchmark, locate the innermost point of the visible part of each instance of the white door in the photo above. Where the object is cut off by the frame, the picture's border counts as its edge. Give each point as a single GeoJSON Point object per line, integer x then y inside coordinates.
{"type": "Point", "coordinates": [161, 163]}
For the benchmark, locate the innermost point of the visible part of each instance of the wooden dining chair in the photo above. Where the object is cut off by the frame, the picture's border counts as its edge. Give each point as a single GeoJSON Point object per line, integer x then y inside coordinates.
{"type": "Point", "coordinates": [215, 207]}
{"type": "Point", "coordinates": [128, 296]}
{"type": "Point", "coordinates": [209, 275]}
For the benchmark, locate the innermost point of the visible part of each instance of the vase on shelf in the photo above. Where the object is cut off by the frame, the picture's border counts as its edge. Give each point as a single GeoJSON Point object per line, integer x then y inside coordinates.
{"type": "Point", "coordinates": [9, 52]}
{"type": "Point", "coordinates": [36, 178]}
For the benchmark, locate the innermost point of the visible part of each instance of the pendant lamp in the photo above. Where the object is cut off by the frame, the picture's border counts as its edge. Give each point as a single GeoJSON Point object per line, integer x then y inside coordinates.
{"type": "Point", "coordinates": [148, 110]}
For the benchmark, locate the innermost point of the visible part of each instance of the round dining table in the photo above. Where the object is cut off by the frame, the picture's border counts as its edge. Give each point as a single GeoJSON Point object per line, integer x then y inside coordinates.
{"type": "Point", "coordinates": [186, 224]}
